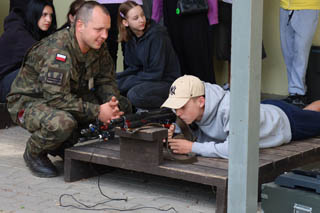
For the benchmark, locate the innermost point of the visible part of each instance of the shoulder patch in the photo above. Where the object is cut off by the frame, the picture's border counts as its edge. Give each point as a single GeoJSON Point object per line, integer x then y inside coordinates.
{"type": "Point", "coordinates": [54, 76]}
{"type": "Point", "coordinates": [60, 57]}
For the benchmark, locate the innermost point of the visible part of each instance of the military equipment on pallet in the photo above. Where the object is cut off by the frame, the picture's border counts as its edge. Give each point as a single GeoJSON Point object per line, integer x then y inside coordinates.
{"type": "Point", "coordinates": [296, 191]}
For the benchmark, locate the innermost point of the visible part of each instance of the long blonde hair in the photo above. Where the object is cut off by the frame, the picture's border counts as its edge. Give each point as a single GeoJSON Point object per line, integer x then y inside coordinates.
{"type": "Point", "coordinates": [125, 33]}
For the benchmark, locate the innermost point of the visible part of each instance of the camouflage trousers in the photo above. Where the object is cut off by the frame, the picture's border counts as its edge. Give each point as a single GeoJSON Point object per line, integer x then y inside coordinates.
{"type": "Point", "coordinates": [49, 127]}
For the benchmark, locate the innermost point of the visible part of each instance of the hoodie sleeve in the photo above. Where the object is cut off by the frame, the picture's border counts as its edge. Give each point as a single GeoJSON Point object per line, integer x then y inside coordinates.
{"type": "Point", "coordinates": [211, 149]}
{"type": "Point", "coordinates": [157, 10]}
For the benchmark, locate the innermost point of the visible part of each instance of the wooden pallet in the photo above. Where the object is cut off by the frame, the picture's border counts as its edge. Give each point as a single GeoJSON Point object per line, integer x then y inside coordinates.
{"type": "Point", "coordinates": [143, 152]}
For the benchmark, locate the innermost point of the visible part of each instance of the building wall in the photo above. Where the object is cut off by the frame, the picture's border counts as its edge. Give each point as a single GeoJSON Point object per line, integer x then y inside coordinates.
{"type": "Point", "coordinates": [274, 78]}
{"type": "Point", "coordinates": [4, 10]}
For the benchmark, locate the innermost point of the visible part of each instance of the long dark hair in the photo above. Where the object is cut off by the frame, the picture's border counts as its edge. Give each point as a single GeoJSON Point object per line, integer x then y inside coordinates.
{"type": "Point", "coordinates": [34, 13]}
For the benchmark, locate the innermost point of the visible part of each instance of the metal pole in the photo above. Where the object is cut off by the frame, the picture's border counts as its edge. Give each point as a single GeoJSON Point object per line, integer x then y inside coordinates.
{"type": "Point", "coordinates": [245, 109]}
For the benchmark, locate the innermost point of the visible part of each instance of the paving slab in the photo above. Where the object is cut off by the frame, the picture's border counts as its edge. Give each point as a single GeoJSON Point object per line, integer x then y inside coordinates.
{"type": "Point", "coordinates": [22, 192]}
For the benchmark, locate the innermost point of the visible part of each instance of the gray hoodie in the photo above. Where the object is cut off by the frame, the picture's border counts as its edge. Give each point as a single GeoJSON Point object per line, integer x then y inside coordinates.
{"type": "Point", "coordinates": [213, 133]}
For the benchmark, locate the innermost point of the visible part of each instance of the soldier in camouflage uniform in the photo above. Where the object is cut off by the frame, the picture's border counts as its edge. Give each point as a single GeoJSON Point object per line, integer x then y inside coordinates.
{"type": "Point", "coordinates": [63, 80]}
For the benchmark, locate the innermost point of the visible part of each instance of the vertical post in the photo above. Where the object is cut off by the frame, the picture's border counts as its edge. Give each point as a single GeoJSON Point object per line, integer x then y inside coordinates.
{"type": "Point", "coordinates": [245, 108]}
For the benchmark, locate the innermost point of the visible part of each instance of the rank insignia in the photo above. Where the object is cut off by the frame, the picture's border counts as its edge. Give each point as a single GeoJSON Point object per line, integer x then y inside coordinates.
{"type": "Point", "coordinates": [54, 77]}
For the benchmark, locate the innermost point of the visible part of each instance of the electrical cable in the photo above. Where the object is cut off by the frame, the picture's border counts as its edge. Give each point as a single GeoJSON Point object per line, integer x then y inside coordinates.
{"type": "Point", "coordinates": [84, 206]}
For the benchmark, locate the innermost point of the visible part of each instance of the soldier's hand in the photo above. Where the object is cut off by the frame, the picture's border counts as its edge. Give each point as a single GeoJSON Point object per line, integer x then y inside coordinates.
{"type": "Point", "coordinates": [180, 146]}
{"type": "Point", "coordinates": [116, 113]}
{"type": "Point", "coordinates": [109, 110]}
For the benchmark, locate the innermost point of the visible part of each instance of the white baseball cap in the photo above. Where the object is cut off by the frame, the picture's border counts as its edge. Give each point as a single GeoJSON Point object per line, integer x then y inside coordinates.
{"type": "Point", "coordinates": [182, 90]}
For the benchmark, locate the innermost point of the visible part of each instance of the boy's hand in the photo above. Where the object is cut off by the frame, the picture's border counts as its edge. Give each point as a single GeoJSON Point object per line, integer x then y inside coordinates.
{"type": "Point", "coordinates": [171, 131]}
{"type": "Point", "coordinates": [180, 146]}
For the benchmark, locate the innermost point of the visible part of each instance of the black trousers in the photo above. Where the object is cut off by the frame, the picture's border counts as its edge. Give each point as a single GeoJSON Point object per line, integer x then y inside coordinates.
{"type": "Point", "coordinates": [192, 40]}
{"type": "Point", "coordinates": [5, 85]}
{"type": "Point", "coordinates": [222, 33]}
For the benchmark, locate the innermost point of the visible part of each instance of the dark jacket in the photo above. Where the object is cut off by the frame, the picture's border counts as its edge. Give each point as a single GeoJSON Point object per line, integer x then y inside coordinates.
{"type": "Point", "coordinates": [149, 58]}
{"type": "Point", "coordinates": [14, 42]}
{"type": "Point", "coordinates": [22, 4]}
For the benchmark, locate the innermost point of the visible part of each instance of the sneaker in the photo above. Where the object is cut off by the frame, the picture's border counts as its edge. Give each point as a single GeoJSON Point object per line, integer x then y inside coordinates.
{"type": "Point", "coordinates": [40, 165]}
{"type": "Point", "coordinates": [226, 86]}
{"type": "Point", "coordinates": [297, 100]}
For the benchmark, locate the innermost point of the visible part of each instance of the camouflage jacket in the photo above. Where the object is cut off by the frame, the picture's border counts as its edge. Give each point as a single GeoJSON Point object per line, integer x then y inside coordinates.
{"type": "Point", "coordinates": [57, 73]}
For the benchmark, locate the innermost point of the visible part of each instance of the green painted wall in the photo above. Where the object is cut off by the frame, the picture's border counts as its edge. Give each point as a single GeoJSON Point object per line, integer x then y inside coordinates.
{"type": "Point", "coordinates": [4, 10]}
{"type": "Point", "coordinates": [62, 7]}
{"type": "Point", "coordinates": [274, 78]}
{"type": "Point", "coordinates": [274, 75]}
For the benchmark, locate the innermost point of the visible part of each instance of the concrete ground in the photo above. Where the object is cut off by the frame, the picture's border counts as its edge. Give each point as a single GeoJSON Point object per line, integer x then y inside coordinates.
{"type": "Point", "coordinates": [22, 192]}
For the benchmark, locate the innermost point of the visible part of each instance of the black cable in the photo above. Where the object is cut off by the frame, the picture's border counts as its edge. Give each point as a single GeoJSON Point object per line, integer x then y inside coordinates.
{"type": "Point", "coordinates": [91, 207]}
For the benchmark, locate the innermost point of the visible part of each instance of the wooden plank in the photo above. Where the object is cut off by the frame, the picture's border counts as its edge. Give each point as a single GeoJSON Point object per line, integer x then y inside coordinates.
{"type": "Point", "coordinates": [295, 148]}
{"type": "Point", "coordinates": [78, 169]}
{"type": "Point", "coordinates": [141, 152]}
{"type": "Point", "coordinates": [277, 152]}
{"type": "Point", "coordinates": [308, 144]}
{"type": "Point", "coordinates": [151, 134]}
{"type": "Point", "coordinates": [110, 145]}
{"type": "Point", "coordinates": [194, 173]}
{"type": "Point", "coordinates": [208, 171]}
{"type": "Point", "coordinates": [315, 140]}
{"type": "Point", "coordinates": [220, 163]}
{"type": "Point", "coordinates": [222, 197]}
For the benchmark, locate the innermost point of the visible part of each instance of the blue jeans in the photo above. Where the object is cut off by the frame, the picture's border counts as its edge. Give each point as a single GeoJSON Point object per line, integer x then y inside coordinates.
{"type": "Point", "coordinates": [296, 36]}
{"type": "Point", "coordinates": [304, 123]}
{"type": "Point", "coordinates": [5, 85]}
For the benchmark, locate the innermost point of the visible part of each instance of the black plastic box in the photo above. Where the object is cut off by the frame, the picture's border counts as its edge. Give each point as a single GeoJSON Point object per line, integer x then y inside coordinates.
{"type": "Point", "coordinates": [278, 199]}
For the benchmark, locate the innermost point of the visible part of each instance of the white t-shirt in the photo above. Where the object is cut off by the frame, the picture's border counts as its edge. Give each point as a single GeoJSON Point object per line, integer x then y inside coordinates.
{"type": "Point", "coordinates": [227, 1]}
{"type": "Point", "coordinates": [117, 1]}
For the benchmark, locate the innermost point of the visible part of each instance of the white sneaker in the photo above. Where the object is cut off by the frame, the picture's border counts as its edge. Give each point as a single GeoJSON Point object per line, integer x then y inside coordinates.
{"type": "Point", "coordinates": [226, 86]}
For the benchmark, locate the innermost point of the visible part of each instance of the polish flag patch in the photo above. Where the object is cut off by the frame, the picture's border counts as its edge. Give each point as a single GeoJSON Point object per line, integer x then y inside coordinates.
{"type": "Point", "coordinates": [61, 57]}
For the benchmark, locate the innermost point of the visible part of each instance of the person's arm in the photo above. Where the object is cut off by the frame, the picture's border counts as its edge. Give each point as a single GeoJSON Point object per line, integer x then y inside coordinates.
{"type": "Point", "coordinates": [211, 149]}
{"type": "Point", "coordinates": [156, 58]}
{"type": "Point", "coordinates": [153, 66]}
{"type": "Point", "coordinates": [213, 12]}
{"type": "Point", "coordinates": [206, 149]}
{"type": "Point", "coordinates": [157, 10]}
{"type": "Point", "coordinates": [203, 145]}
{"type": "Point", "coordinates": [126, 79]}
